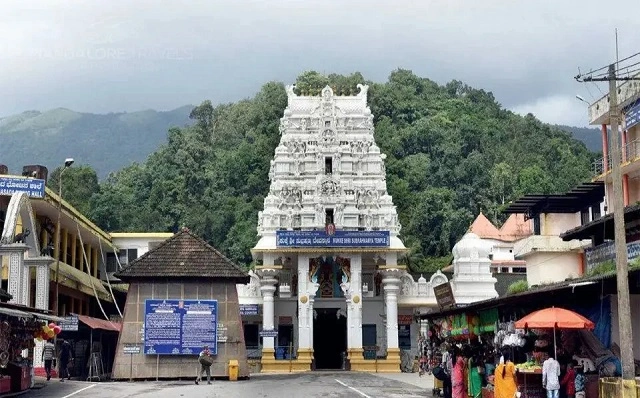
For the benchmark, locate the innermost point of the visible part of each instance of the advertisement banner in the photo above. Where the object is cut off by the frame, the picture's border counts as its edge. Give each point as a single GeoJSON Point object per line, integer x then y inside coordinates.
{"type": "Point", "coordinates": [31, 186]}
{"type": "Point", "coordinates": [180, 327]}
{"type": "Point", "coordinates": [337, 239]}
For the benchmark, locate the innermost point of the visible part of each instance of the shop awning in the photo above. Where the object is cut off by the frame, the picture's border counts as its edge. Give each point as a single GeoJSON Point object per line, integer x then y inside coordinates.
{"type": "Point", "coordinates": [26, 312]}
{"type": "Point", "coordinates": [96, 323]}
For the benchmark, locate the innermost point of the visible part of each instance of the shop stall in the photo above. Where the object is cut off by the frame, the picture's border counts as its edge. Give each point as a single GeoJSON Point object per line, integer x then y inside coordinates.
{"type": "Point", "coordinates": [19, 331]}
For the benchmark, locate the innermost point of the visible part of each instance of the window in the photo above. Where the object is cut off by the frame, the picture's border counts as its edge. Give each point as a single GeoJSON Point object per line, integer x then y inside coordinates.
{"type": "Point", "coordinates": [584, 216]}
{"type": "Point", "coordinates": [595, 210]}
{"type": "Point", "coordinates": [328, 166]}
{"type": "Point", "coordinates": [328, 216]}
{"type": "Point", "coordinates": [519, 270]}
{"type": "Point", "coordinates": [536, 225]}
{"type": "Point", "coordinates": [112, 263]}
{"type": "Point", "coordinates": [504, 270]}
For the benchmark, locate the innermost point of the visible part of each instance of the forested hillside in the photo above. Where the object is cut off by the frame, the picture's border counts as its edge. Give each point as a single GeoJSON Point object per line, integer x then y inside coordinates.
{"type": "Point", "coordinates": [452, 150]}
{"type": "Point", "coordinates": [108, 142]}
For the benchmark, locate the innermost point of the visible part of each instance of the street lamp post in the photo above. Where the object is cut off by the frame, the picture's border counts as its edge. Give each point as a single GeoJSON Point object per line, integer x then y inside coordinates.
{"type": "Point", "coordinates": [67, 163]}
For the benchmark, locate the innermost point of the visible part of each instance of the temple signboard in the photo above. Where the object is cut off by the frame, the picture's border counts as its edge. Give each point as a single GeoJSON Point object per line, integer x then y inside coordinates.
{"type": "Point", "coordinates": [444, 296]}
{"type": "Point", "coordinates": [337, 239]}
{"type": "Point", "coordinates": [33, 187]}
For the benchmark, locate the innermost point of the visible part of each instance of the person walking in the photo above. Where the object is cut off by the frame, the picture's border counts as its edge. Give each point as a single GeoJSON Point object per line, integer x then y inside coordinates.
{"type": "Point", "coordinates": [66, 357]}
{"type": "Point", "coordinates": [48, 353]}
{"type": "Point", "coordinates": [206, 361]}
{"type": "Point", "coordinates": [458, 389]}
{"type": "Point", "coordinates": [551, 377]}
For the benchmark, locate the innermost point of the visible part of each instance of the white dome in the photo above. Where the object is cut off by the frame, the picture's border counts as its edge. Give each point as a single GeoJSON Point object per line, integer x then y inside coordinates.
{"type": "Point", "coordinates": [471, 246]}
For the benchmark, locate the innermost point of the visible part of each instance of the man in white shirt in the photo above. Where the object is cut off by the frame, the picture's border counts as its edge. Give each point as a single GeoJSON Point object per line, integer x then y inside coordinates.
{"type": "Point", "coordinates": [551, 377]}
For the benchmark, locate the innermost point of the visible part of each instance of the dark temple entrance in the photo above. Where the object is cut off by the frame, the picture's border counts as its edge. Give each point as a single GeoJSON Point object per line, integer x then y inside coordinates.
{"type": "Point", "coordinates": [329, 338]}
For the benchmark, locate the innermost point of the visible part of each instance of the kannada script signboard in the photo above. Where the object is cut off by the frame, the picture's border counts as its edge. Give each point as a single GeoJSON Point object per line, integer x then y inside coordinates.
{"type": "Point", "coordinates": [180, 327]}
{"type": "Point", "coordinates": [31, 186]}
{"type": "Point", "coordinates": [444, 295]}
{"type": "Point", "coordinates": [632, 115]}
{"type": "Point", "coordinates": [337, 239]}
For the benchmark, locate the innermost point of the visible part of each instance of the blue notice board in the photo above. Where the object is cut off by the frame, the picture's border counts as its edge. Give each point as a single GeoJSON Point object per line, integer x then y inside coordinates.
{"type": "Point", "coordinates": [33, 187]}
{"type": "Point", "coordinates": [180, 327]}
{"type": "Point", "coordinates": [339, 239]}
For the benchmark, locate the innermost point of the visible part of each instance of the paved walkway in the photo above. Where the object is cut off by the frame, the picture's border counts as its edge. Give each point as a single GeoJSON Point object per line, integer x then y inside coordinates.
{"type": "Point", "coordinates": [425, 381]}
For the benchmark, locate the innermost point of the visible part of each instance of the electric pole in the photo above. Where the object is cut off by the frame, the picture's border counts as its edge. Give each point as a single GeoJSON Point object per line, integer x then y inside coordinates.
{"type": "Point", "coordinates": [620, 241]}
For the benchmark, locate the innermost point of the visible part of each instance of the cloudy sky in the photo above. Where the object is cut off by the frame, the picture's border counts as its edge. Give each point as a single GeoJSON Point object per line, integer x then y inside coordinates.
{"type": "Point", "coordinates": [127, 55]}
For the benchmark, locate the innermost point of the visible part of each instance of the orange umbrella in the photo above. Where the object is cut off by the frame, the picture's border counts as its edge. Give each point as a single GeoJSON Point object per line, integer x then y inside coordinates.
{"type": "Point", "coordinates": [551, 318]}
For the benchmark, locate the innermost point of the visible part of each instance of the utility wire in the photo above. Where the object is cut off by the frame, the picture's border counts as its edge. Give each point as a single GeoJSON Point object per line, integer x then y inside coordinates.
{"type": "Point", "coordinates": [108, 280]}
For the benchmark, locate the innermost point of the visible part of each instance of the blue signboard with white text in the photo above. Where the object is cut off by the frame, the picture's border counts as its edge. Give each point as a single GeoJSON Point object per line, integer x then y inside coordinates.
{"type": "Point", "coordinates": [180, 327]}
{"type": "Point", "coordinates": [31, 186]}
{"type": "Point", "coordinates": [338, 239]}
{"type": "Point", "coordinates": [632, 115]}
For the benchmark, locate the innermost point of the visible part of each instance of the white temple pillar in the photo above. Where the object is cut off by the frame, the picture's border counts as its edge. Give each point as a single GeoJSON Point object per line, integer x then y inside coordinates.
{"type": "Point", "coordinates": [306, 294]}
{"type": "Point", "coordinates": [41, 264]}
{"type": "Point", "coordinates": [18, 284]}
{"type": "Point", "coordinates": [268, 283]}
{"type": "Point", "coordinates": [354, 310]}
{"type": "Point", "coordinates": [391, 284]}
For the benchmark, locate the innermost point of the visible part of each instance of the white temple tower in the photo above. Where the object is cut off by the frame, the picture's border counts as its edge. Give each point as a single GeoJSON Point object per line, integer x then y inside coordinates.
{"type": "Point", "coordinates": [328, 230]}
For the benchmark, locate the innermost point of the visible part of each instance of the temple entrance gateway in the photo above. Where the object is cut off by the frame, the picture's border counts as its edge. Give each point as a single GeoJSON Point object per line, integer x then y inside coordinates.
{"type": "Point", "coordinates": [329, 338]}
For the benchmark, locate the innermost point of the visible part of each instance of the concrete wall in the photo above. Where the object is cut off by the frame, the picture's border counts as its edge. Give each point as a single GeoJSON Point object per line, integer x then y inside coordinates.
{"type": "Point", "coordinates": [179, 366]}
{"type": "Point", "coordinates": [140, 243]}
{"type": "Point", "coordinates": [635, 323]}
{"type": "Point", "coordinates": [547, 267]}
{"type": "Point", "coordinates": [555, 224]}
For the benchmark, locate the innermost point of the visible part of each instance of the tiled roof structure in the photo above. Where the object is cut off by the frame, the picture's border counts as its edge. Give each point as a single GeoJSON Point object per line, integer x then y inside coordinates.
{"type": "Point", "coordinates": [183, 256]}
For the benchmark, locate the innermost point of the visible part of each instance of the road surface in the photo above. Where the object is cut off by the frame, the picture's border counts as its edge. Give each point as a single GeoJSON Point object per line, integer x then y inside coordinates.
{"type": "Point", "coordinates": [307, 385]}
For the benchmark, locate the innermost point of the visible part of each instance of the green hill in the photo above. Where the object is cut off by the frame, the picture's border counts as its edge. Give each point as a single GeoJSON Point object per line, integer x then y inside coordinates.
{"type": "Point", "coordinates": [453, 151]}
{"type": "Point", "coordinates": [106, 142]}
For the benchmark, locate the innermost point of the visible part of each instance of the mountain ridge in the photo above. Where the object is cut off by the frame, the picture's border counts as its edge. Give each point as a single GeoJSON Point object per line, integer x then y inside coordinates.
{"type": "Point", "coordinates": [47, 137]}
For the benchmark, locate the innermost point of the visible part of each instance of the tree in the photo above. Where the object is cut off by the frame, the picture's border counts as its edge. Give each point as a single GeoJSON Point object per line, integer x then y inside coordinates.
{"type": "Point", "coordinates": [79, 184]}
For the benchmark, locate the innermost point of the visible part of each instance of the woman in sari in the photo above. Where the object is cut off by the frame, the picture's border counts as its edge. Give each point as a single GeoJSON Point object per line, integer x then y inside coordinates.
{"type": "Point", "coordinates": [474, 381]}
{"type": "Point", "coordinates": [457, 377]}
{"type": "Point", "coordinates": [505, 379]}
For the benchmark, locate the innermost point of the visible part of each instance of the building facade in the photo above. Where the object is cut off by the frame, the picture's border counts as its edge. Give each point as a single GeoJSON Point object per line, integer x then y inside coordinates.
{"type": "Point", "coordinates": [330, 281]}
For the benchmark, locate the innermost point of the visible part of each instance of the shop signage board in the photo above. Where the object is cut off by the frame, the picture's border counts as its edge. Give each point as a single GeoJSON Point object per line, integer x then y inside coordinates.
{"type": "Point", "coordinates": [632, 115]}
{"type": "Point", "coordinates": [70, 324]}
{"type": "Point", "coordinates": [132, 349]}
{"type": "Point", "coordinates": [180, 327]}
{"type": "Point", "coordinates": [444, 295]}
{"type": "Point", "coordinates": [606, 251]}
{"type": "Point", "coordinates": [336, 239]}
{"type": "Point", "coordinates": [268, 333]}
{"type": "Point", "coordinates": [249, 309]}
{"type": "Point", "coordinates": [31, 186]}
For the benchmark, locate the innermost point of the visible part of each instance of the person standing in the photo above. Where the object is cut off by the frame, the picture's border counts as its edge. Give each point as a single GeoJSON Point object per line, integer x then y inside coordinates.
{"type": "Point", "coordinates": [580, 383]}
{"type": "Point", "coordinates": [457, 377]}
{"type": "Point", "coordinates": [447, 366]}
{"type": "Point", "coordinates": [205, 364]}
{"type": "Point", "coordinates": [569, 381]}
{"type": "Point", "coordinates": [66, 356]}
{"type": "Point", "coordinates": [48, 353]}
{"type": "Point", "coordinates": [476, 370]}
{"type": "Point", "coordinates": [505, 378]}
{"type": "Point", "coordinates": [551, 377]}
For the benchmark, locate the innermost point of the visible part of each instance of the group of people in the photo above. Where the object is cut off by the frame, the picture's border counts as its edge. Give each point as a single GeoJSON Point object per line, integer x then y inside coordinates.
{"type": "Point", "coordinates": [465, 370]}
{"type": "Point", "coordinates": [64, 357]}
{"type": "Point", "coordinates": [468, 369]}
{"type": "Point", "coordinates": [566, 381]}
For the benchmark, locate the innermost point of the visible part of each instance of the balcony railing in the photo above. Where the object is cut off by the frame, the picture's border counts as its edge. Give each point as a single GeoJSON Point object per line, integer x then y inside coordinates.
{"type": "Point", "coordinates": [631, 152]}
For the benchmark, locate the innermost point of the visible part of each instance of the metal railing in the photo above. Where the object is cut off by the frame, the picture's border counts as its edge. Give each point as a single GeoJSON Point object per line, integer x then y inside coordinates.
{"type": "Point", "coordinates": [611, 387]}
{"type": "Point", "coordinates": [630, 150]}
{"type": "Point", "coordinates": [254, 352]}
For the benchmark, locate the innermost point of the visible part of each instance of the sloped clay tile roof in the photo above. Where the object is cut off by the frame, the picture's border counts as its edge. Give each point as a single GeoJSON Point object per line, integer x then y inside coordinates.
{"type": "Point", "coordinates": [183, 256]}
{"type": "Point", "coordinates": [482, 227]}
{"type": "Point", "coordinates": [515, 228]}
